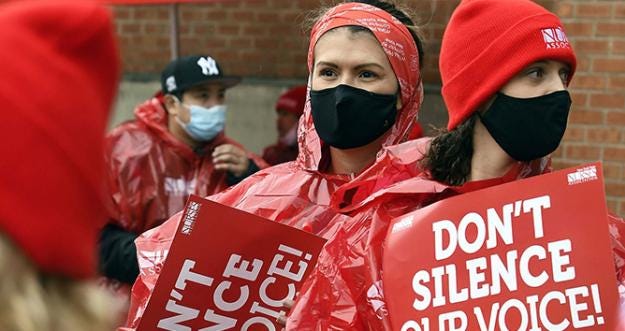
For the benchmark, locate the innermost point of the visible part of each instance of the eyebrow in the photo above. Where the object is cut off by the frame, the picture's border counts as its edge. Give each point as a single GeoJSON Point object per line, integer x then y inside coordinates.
{"type": "Point", "coordinates": [547, 62]}
{"type": "Point", "coordinates": [329, 64]}
{"type": "Point", "coordinates": [544, 62]}
{"type": "Point", "coordinates": [360, 66]}
{"type": "Point", "coordinates": [364, 65]}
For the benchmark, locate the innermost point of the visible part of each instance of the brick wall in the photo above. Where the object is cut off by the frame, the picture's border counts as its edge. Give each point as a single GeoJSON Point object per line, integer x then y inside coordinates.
{"type": "Point", "coordinates": [254, 38]}
{"type": "Point", "coordinates": [596, 128]}
{"type": "Point", "coordinates": [266, 39]}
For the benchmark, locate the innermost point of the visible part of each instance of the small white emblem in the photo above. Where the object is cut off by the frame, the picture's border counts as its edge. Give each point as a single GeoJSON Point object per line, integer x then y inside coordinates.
{"type": "Point", "coordinates": [208, 65]}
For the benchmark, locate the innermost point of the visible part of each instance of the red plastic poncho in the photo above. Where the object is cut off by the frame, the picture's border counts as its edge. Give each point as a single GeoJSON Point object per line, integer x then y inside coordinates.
{"type": "Point", "coordinates": [151, 173]}
{"type": "Point", "coordinates": [298, 193]}
{"type": "Point", "coordinates": [344, 291]}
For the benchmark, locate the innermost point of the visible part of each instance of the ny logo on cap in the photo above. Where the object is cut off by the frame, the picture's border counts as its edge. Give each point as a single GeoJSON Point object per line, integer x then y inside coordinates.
{"type": "Point", "coordinates": [208, 65]}
{"type": "Point", "coordinates": [170, 82]}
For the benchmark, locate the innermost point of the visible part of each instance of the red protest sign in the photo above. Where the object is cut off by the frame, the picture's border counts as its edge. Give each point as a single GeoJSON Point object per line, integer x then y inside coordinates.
{"type": "Point", "coordinates": [528, 255]}
{"type": "Point", "coordinates": [229, 270]}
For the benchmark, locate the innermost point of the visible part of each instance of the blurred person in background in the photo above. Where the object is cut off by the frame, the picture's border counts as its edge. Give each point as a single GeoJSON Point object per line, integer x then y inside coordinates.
{"type": "Point", "coordinates": [289, 107]}
{"type": "Point", "coordinates": [175, 146]}
{"type": "Point", "coordinates": [59, 78]}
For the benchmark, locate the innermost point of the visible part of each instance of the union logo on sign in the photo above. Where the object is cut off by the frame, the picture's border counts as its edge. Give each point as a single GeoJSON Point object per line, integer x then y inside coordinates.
{"type": "Point", "coordinates": [582, 175]}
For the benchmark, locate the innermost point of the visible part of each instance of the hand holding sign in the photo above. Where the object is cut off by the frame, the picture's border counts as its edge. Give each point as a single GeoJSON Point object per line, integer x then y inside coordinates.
{"type": "Point", "coordinates": [521, 256]}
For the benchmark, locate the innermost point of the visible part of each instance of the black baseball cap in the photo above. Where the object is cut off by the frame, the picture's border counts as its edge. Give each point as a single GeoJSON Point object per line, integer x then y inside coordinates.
{"type": "Point", "coordinates": [185, 72]}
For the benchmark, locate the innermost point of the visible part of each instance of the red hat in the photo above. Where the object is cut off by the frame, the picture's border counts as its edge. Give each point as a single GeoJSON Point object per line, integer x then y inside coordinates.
{"type": "Point", "coordinates": [487, 42]}
{"type": "Point", "coordinates": [293, 100]}
{"type": "Point", "coordinates": [60, 70]}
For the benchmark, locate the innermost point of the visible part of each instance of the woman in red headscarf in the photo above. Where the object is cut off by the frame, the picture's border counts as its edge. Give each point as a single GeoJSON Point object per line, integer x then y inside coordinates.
{"type": "Point", "coordinates": [365, 92]}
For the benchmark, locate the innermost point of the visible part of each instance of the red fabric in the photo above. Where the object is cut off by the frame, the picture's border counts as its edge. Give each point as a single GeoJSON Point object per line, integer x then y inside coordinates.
{"type": "Point", "coordinates": [293, 100]}
{"type": "Point", "coordinates": [151, 173]}
{"type": "Point", "coordinates": [297, 193]}
{"type": "Point", "coordinates": [279, 153]}
{"type": "Point", "coordinates": [344, 291]}
{"type": "Point", "coordinates": [486, 43]}
{"type": "Point", "coordinates": [417, 131]}
{"type": "Point", "coordinates": [60, 71]}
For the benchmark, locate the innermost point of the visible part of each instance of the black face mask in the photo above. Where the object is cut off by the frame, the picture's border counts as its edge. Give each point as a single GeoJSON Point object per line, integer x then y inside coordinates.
{"type": "Point", "coordinates": [348, 117]}
{"type": "Point", "coordinates": [528, 129]}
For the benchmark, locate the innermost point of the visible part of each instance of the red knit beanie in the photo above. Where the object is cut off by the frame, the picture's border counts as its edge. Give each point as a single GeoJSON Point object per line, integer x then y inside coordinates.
{"type": "Point", "coordinates": [487, 42]}
{"type": "Point", "coordinates": [293, 100]}
{"type": "Point", "coordinates": [59, 74]}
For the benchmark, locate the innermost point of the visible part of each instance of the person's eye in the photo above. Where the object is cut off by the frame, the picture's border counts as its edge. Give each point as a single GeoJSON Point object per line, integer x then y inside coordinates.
{"type": "Point", "coordinates": [368, 74]}
{"type": "Point", "coordinates": [565, 74]}
{"type": "Point", "coordinates": [327, 72]}
{"type": "Point", "coordinates": [535, 73]}
{"type": "Point", "coordinates": [204, 96]}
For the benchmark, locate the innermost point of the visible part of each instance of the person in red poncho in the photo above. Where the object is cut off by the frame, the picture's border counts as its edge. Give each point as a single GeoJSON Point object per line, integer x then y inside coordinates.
{"type": "Point", "coordinates": [362, 97]}
{"type": "Point", "coordinates": [175, 147]}
{"type": "Point", "coordinates": [59, 78]}
{"type": "Point", "coordinates": [289, 107]}
{"type": "Point", "coordinates": [507, 99]}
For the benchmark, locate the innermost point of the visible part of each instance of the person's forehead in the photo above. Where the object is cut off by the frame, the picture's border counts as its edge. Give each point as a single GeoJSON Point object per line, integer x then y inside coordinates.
{"type": "Point", "coordinates": [548, 61]}
{"type": "Point", "coordinates": [341, 34]}
{"type": "Point", "coordinates": [208, 86]}
{"type": "Point", "coordinates": [335, 44]}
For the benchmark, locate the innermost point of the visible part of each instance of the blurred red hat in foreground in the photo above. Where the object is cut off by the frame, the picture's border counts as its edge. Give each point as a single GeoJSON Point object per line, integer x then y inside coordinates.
{"type": "Point", "coordinates": [60, 70]}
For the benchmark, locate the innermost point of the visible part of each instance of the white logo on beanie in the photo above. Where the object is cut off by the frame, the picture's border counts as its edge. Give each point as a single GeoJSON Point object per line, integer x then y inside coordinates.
{"type": "Point", "coordinates": [555, 38]}
{"type": "Point", "coordinates": [170, 82]}
{"type": "Point", "coordinates": [208, 65]}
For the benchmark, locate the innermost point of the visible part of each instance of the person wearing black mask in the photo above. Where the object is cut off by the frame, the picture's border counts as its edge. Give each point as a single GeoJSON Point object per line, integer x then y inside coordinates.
{"type": "Point", "coordinates": [514, 112]}
{"type": "Point", "coordinates": [364, 93]}
{"type": "Point", "coordinates": [505, 118]}
{"type": "Point", "coordinates": [505, 68]}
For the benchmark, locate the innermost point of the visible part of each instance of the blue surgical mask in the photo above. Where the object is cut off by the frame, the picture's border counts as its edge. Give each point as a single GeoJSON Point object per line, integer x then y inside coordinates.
{"type": "Point", "coordinates": [205, 123]}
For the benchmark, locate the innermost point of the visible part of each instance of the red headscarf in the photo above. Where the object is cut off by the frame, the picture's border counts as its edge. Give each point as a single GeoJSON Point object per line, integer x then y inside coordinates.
{"type": "Point", "coordinates": [401, 51]}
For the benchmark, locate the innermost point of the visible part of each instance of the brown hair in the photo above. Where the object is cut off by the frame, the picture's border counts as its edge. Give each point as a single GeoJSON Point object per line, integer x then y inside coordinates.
{"type": "Point", "coordinates": [448, 159]}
